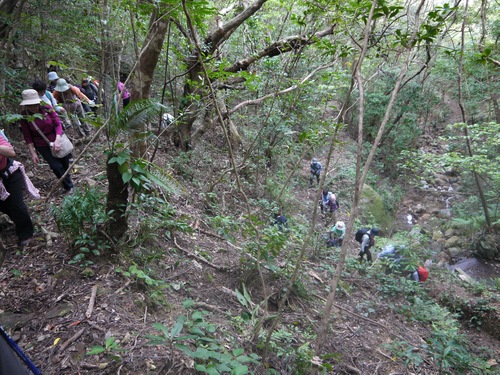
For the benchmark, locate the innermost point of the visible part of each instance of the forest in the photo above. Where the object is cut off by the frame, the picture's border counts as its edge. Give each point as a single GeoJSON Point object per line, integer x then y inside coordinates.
{"type": "Point", "coordinates": [187, 232]}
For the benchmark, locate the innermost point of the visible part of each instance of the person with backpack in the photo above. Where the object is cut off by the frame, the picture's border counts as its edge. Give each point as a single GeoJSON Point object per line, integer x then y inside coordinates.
{"type": "Point", "coordinates": [13, 181]}
{"type": "Point", "coordinates": [281, 221]}
{"type": "Point", "coordinates": [328, 204]}
{"type": "Point", "coordinates": [90, 90]}
{"type": "Point", "coordinates": [367, 240]}
{"type": "Point", "coordinates": [48, 124]}
{"type": "Point", "coordinates": [46, 98]}
{"type": "Point", "coordinates": [71, 98]}
{"type": "Point", "coordinates": [420, 274]}
{"type": "Point", "coordinates": [315, 171]}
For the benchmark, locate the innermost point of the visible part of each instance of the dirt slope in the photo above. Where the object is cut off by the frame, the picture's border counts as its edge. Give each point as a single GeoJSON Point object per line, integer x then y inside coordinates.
{"type": "Point", "coordinates": [45, 302]}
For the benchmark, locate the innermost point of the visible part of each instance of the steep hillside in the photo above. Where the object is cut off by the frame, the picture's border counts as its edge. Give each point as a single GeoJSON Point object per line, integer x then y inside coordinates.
{"type": "Point", "coordinates": [183, 292]}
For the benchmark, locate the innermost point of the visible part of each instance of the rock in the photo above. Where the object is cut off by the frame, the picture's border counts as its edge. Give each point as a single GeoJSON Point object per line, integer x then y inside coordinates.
{"type": "Point", "coordinates": [444, 213]}
{"type": "Point", "coordinates": [449, 233]}
{"type": "Point", "coordinates": [487, 246]}
{"type": "Point", "coordinates": [455, 252]}
{"type": "Point", "coordinates": [425, 218]}
{"type": "Point", "coordinates": [453, 241]}
{"type": "Point", "coordinates": [419, 209]}
{"type": "Point", "coordinates": [434, 210]}
{"type": "Point", "coordinates": [443, 258]}
{"type": "Point", "coordinates": [90, 182]}
{"type": "Point", "coordinates": [437, 234]}
{"type": "Point", "coordinates": [371, 209]}
{"type": "Point", "coordinates": [440, 182]}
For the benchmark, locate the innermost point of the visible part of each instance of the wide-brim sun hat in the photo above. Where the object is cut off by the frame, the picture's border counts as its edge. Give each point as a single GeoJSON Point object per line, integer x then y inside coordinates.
{"type": "Point", "coordinates": [340, 225]}
{"type": "Point", "coordinates": [53, 76]}
{"type": "Point", "coordinates": [62, 85]}
{"type": "Point", "coordinates": [30, 97]}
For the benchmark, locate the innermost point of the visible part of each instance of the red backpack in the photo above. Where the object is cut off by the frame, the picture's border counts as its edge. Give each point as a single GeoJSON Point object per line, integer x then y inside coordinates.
{"type": "Point", "coordinates": [423, 273]}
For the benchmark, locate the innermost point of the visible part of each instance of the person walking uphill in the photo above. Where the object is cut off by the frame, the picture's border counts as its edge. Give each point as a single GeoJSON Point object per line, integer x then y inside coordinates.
{"type": "Point", "coordinates": [50, 126]}
{"type": "Point", "coordinates": [315, 171]}
{"type": "Point", "coordinates": [367, 240]}
{"type": "Point", "coordinates": [13, 180]}
{"type": "Point", "coordinates": [71, 99]}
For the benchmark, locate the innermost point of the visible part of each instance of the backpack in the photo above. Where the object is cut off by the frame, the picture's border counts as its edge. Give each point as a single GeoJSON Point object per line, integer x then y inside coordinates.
{"type": "Point", "coordinates": [423, 273]}
{"type": "Point", "coordinates": [360, 233]}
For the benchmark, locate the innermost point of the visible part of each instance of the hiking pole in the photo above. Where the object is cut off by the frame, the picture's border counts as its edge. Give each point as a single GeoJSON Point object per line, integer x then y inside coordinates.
{"type": "Point", "coordinates": [19, 352]}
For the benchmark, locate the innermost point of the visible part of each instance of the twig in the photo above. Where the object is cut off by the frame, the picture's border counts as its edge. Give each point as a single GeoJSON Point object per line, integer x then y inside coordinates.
{"type": "Point", "coordinates": [145, 314]}
{"type": "Point", "coordinates": [88, 314]}
{"type": "Point", "coordinates": [201, 259]}
{"type": "Point", "coordinates": [361, 316]}
{"type": "Point", "coordinates": [123, 287]}
{"type": "Point", "coordinates": [204, 305]}
{"type": "Point", "coordinates": [69, 341]}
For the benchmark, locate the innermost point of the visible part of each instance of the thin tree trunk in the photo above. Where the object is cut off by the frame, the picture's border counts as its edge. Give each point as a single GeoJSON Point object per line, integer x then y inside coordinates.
{"type": "Point", "coordinates": [361, 176]}
{"type": "Point", "coordinates": [142, 76]}
{"type": "Point", "coordinates": [479, 186]}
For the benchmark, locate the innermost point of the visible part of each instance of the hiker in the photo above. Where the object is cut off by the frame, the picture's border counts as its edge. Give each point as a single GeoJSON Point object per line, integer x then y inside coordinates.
{"type": "Point", "coordinates": [90, 90]}
{"type": "Point", "coordinates": [13, 180]}
{"type": "Point", "coordinates": [393, 253]}
{"type": "Point", "coordinates": [420, 274]}
{"type": "Point", "coordinates": [48, 99]}
{"type": "Point", "coordinates": [124, 94]}
{"type": "Point", "coordinates": [71, 98]}
{"type": "Point", "coordinates": [336, 235]}
{"type": "Point", "coordinates": [281, 221]}
{"type": "Point", "coordinates": [315, 171]}
{"type": "Point", "coordinates": [53, 77]}
{"type": "Point", "coordinates": [367, 240]}
{"type": "Point", "coordinates": [51, 127]}
{"type": "Point", "coordinates": [328, 205]}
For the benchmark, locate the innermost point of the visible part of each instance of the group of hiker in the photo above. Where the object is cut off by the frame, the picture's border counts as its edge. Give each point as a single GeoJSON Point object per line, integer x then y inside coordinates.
{"type": "Point", "coordinates": [47, 110]}
{"type": "Point", "coordinates": [329, 204]}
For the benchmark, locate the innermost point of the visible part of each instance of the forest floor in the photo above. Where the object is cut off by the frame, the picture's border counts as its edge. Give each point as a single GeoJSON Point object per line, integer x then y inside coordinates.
{"type": "Point", "coordinates": [58, 311]}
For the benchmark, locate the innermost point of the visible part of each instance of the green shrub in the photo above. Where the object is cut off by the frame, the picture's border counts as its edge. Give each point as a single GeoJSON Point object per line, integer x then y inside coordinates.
{"type": "Point", "coordinates": [80, 218]}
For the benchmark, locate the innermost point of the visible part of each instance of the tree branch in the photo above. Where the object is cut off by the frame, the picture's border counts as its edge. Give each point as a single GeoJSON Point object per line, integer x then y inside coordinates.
{"type": "Point", "coordinates": [279, 47]}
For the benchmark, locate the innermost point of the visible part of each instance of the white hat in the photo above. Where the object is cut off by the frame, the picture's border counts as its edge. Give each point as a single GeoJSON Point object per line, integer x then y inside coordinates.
{"type": "Point", "coordinates": [53, 76]}
{"type": "Point", "coordinates": [30, 97]}
{"type": "Point", "coordinates": [340, 225]}
{"type": "Point", "coordinates": [62, 85]}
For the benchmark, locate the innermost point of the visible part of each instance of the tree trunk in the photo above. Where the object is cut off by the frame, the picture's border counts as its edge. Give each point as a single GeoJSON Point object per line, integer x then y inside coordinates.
{"type": "Point", "coordinates": [140, 84]}
{"type": "Point", "coordinates": [117, 201]}
{"type": "Point", "coordinates": [479, 186]}
{"type": "Point", "coordinates": [361, 175]}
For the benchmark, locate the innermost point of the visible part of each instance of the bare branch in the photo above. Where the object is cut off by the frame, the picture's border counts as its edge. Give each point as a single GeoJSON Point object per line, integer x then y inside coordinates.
{"type": "Point", "coordinates": [279, 47]}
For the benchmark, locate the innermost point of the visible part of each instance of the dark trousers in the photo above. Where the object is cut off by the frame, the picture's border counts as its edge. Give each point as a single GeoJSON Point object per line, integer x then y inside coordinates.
{"type": "Point", "coordinates": [368, 254]}
{"type": "Point", "coordinates": [14, 206]}
{"type": "Point", "coordinates": [58, 165]}
{"type": "Point", "coordinates": [312, 176]}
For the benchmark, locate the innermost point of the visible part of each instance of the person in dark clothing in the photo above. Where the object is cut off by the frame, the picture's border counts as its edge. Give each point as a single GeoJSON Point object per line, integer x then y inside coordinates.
{"type": "Point", "coordinates": [90, 91]}
{"type": "Point", "coordinates": [367, 242]}
{"type": "Point", "coordinates": [13, 181]}
{"type": "Point", "coordinates": [315, 171]}
{"type": "Point", "coordinates": [281, 221]}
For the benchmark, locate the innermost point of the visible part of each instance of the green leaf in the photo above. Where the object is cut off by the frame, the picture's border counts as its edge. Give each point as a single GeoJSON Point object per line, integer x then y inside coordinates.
{"type": "Point", "coordinates": [238, 351]}
{"type": "Point", "coordinates": [162, 328]}
{"type": "Point", "coordinates": [239, 370]}
{"type": "Point", "coordinates": [110, 341]}
{"type": "Point", "coordinates": [178, 326]}
{"type": "Point", "coordinates": [96, 350]}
